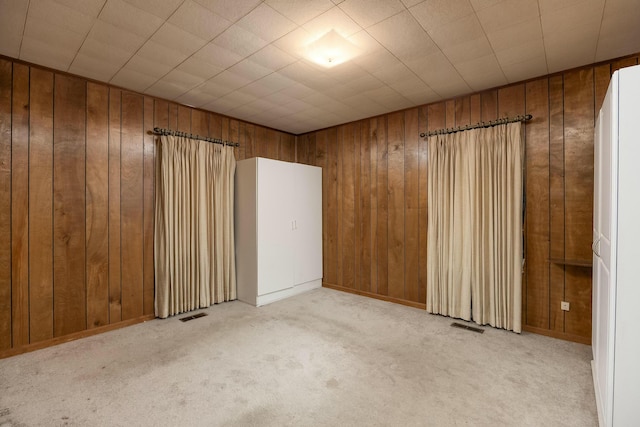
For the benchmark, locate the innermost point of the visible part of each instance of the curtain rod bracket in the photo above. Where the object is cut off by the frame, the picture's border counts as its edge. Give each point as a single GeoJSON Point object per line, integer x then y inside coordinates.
{"type": "Point", "coordinates": [159, 131]}
{"type": "Point", "coordinates": [501, 121]}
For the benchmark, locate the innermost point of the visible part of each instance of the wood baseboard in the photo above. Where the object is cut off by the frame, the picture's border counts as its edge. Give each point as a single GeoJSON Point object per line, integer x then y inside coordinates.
{"type": "Point", "coordinates": [555, 334]}
{"type": "Point", "coordinates": [413, 304]}
{"type": "Point", "coordinates": [74, 336]}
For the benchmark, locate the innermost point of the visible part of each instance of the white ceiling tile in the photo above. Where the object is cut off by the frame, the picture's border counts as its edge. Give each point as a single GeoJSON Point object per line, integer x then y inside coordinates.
{"type": "Point", "coordinates": [275, 81]}
{"type": "Point", "coordinates": [149, 67]}
{"type": "Point", "coordinates": [230, 81]}
{"type": "Point", "coordinates": [410, 3]}
{"type": "Point", "coordinates": [388, 98]}
{"type": "Point", "coordinates": [160, 8]}
{"type": "Point", "coordinates": [333, 19]}
{"type": "Point", "coordinates": [156, 52]}
{"type": "Point", "coordinates": [415, 90]}
{"type": "Point", "coordinates": [482, 73]}
{"type": "Point", "coordinates": [432, 14]}
{"type": "Point", "coordinates": [215, 88]}
{"type": "Point", "coordinates": [272, 58]}
{"type": "Point", "coordinates": [12, 21]}
{"type": "Point", "coordinates": [437, 72]}
{"type": "Point", "coordinates": [125, 16]}
{"type": "Point", "coordinates": [50, 33]}
{"type": "Point", "coordinates": [364, 83]}
{"type": "Point", "coordinates": [295, 42]}
{"type": "Point", "coordinates": [249, 70]}
{"type": "Point", "coordinates": [177, 39]}
{"type": "Point", "coordinates": [257, 89]}
{"type": "Point", "coordinates": [61, 16]}
{"type": "Point", "coordinates": [507, 13]}
{"type": "Point", "coordinates": [369, 12]}
{"type": "Point", "coordinates": [131, 79]}
{"type": "Point", "coordinates": [395, 32]}
{"type": "Point", "coordinates": [377, 61]}
{"type": "Point", "coordinates": [230, 9]}
{"type": "Point", "coordinates": [588, 15]}
{"type": "Point", "coordinates": [182, 79]}
{"type": "Point", "coordinates": [462, 30]}
{"type": "Point", "coordinates": [195, 98]}
{"type": "Point", "coordinates": [300, 11]}
{"type": "Point", "coordinates": [42, 53]}
{"type": "Point", "coordinates": [240, 41]}
{"type": "Point", "coordinates": [516, 35]}
{"type": "Point", "coordinates": [87, 7]}
{"type": "Point", "coordinates": [199, 21]}
{"type": "Point", "coordinates": [339, 91]}
{"type": "Point", "coordinates": [527, 69]}
{"type": "Point", "coordinates": [298, 90]}
{"type": "Point", "coordinates": [165, 90]}
{"type": "Point", "coordinates": [620, 32]}
{"type": "Point", "coordinates": [471, 49]}
{"type": "Point", "coordinates": [104, 52]}
{"type": "Point", "coordinates": [549, 6]}
{"type": "Point", "coordinates": [266, 23]}
{"type": "Point", "coordinates": [533, 48]}
{"type": "Point", "coordinates": [239, 98]}
{"type": "Point", "coordinates": [89, 66]}
{"type": "Point", "coordinates": [583, 49]}
{"type": "Point", "coordinates": [199, 67]}
{"type": "Point", "coordinates": [119, 38]}
{"type": "Point", "coordinates": [394, 73]}
{"type": "Point", "coordinates": [217, 56]}
{"type": "Point", "coordinates": [483, 4]}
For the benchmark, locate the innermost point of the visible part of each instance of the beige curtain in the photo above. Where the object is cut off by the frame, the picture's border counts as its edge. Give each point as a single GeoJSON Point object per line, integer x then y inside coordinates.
{"type": "Point", "coordinates": [194, 240]}
{"type": "Point", "coordinates": [474, 239]}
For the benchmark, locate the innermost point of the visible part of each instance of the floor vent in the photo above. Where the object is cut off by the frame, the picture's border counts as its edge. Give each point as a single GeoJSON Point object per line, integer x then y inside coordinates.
{"type": "Point", "coordinates": [193, 316]}
{"type": "Point", "coordinates": [467, 327]}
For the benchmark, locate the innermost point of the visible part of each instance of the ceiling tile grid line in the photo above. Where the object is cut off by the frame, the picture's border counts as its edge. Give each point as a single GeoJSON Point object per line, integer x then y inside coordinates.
{"type": "Point", "coordinates": [250, 58]}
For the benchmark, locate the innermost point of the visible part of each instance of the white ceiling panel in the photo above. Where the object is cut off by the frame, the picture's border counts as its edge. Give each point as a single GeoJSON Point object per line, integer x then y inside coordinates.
{"type": "Point", "coordinates": [266, 23]}
{"type": "Point", "coordinates": [248, 57]}
{"type": "Point", "coordinates": [12, 22]}
{"type": "Point", "coordinates": [130, 18]}
{"type": "Point", "coordinates": [403, 37]}
{"type": "Point", "coordinates": [368, 12]}
{"type": "Point", "coordinates": [300, 11]}
{"type": "Point", "coordinates": [432, 14]}
{"type": "Point", "coordinates": [199, 21]}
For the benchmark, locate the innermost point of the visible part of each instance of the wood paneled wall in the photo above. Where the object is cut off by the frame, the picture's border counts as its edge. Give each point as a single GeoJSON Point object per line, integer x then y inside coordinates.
{"type": "Point", "coordinates": [375, 207]}
{"type": "Point", "coordinates": [77, 170]}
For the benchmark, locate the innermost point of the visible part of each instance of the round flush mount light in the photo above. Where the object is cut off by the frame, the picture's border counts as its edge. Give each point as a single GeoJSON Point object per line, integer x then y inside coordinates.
{"type": "Point", "coordinates": [331, 49]}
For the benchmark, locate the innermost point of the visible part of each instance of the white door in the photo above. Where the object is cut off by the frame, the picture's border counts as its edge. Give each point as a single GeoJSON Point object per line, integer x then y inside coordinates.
{"type": "Point", "coordinates": [307, 223]}
{"type": "Point", "coordinates": [603, 197]}
{"type": "Point", "coordinates": [275, 226]}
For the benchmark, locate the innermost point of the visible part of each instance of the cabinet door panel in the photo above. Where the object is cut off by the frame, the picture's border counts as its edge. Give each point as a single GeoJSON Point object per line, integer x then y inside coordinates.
{"type": "Point", "coordinates": [275, 216]}
{"type": "Point", "coordinates": [307, 223]}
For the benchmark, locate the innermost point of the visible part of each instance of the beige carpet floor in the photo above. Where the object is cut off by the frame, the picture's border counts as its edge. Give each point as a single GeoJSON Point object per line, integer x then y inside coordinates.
{"type": "Point", "coordinates": [324, 358]}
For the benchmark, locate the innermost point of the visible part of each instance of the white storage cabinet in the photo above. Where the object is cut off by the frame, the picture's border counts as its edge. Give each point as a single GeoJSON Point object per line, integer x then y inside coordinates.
{"type": "Point", "coordinates": [616, 253]}
{"type": "Point", "coordinates": [278, 229]}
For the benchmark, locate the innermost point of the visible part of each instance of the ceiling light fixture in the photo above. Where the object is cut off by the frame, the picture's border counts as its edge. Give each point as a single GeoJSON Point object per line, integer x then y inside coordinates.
{"type": "Point", "coordinates": [331, 49]}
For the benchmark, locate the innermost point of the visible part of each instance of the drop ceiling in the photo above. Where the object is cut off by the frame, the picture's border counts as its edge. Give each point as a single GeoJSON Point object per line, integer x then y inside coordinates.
{"type": "Point", "coordinates": [246, 58]}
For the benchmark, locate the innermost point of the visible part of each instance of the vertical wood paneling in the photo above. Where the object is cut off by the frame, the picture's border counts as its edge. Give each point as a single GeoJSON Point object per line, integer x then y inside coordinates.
{"type": "Point", "coordinates": [6, 71]}
{"type": "Point", "coordinates": [233, 136]}
{"type": "Point", "coordinates": [622, 63]}
{"type": "Point", "coordinates": [411, 205]}
{"type": "Point", "coordinates": [41, 206]}
{"type": "Point", "coordinates": [602, 77]}
{"type": "Point", "coordinates": [347, 230]}
{"type": "Point", "coordinates": [199, 123]}
{"type": "Point", "coordinates": [340, 204]}
{"type": "Point", "coordinates": [20, 205]}
{"type": "Point", "coordinates": [357, 207]}
{"type": "Point", "coordinates": [273, 144]}
{"type": "Point", "coordinates": [450, 113]}
{"type": "Point", "coordinates": [422, 206]}
{"type": "Point", "coordinates": [383, 207]}
{"type": "Point", "coordinates": [556, 202]}
{"type": "Point", "coordinates": [115, 277]}
{"type": "Point", "coordinates": [463, 111]}
{"type": "Point", "coordinates": [396, 143]}
{"type": "Point", "coordinates": [131, 203]}
{"type": "Point", "coordinates": [476, 108]}
{"type": "Point", "coordinates": [331, 228]}
{"type": "Point", "coordinates": [364, 224]}
{"type": "Point", "coordinates": [69, 262]}
{"type": "Point", "coordinates": [97, 205]}
{"type": "Point", "coordinates": [373, 178]}
{"type": "Point", "coordinates": [184, 119]}
{"type": "Point", "coordinates": [578, 170]}
{"type": "Point", "coordinates": [148, 203]}
{"type": "Point", "coordinates": [537, 198]}
{"type": "Point", "coordinates": [489, 105]}
{"type": "Point", "coordinates": [260, 143]}
{"type": "Point", "coordinates": [249, 140]}
{"type": "Point", "coordinates": [215, 126]}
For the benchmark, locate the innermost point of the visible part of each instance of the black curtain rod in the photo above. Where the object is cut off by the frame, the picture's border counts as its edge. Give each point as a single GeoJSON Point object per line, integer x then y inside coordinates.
{"type": "Point", "coordinates": [502, 121]}
{"type": "Point", "coordinates": [158, 131]}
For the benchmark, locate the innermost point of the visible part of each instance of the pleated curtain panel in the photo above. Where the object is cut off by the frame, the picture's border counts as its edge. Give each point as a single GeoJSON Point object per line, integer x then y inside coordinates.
{"type": "Point", "coordinates": [474, 240]}
{"type": "Point", "coordinates": [194, 239]}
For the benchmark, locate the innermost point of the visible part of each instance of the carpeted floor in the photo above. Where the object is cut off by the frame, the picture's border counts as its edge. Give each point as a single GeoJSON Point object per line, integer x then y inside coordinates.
{"type": "Point", "coordinates": [324, 358]}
